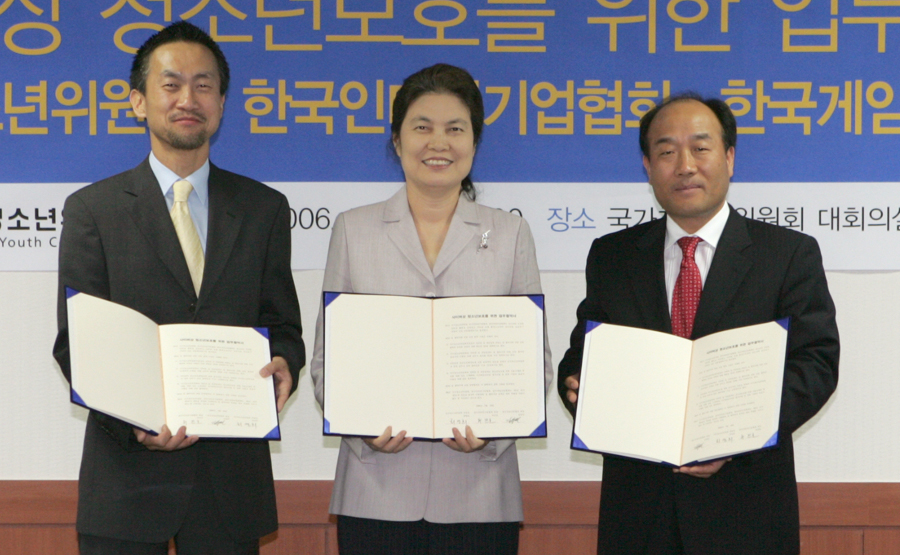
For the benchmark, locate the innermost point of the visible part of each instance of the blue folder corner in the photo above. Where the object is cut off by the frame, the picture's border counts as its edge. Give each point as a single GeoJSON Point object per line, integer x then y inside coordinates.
{"type": "Point", "coordinates": [76, 398]}
{"type": "Point", "coordinates": [578, 444]}
{"type": "Point", "coordinates": [329, 297]}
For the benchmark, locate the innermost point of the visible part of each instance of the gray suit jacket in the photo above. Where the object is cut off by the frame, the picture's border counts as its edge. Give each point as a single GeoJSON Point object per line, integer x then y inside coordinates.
{"type": "Point", "coordinates": [118, 243]}
{"type": "Point", "coordinates": [376, 249]}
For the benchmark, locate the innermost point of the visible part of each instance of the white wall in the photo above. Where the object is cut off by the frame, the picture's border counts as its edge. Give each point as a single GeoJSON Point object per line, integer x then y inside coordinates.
{"type": "Point", "coordinates": [856, 438]}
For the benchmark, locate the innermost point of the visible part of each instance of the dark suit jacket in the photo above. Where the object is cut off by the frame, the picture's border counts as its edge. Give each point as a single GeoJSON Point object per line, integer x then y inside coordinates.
{"type": "Point", "coordinates": [118, 243]}
{"type": "Point", "coordinates": [760, 273]}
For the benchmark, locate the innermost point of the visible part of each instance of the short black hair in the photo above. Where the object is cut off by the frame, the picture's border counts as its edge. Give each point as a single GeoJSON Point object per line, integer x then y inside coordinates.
{"type": "Point", "coordinates": [181, 31]}
{"type": "Point", "coordinates": [441, 78]}
{"type": "Point", "coordinates": [719, 108]}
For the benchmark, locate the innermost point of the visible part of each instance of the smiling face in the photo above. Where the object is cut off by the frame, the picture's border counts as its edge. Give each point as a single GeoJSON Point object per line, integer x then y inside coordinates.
{"type": "Point", "coordinates": [688, 165]}
{"type": "Point", "coordinates": [182, 103]}
{"type": "Point", "coordinates": [436, 145]}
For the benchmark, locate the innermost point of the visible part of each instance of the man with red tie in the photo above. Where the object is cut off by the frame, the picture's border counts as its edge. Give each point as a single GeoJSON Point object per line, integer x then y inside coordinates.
{"type": "Point", "coordinates": [704, 268]}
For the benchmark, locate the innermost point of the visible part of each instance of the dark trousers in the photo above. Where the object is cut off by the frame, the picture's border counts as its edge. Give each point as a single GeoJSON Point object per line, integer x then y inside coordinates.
{"type": "Point", "coordinates": [363, 536]}
{"type": "Point", "coordinates": [201, 533]}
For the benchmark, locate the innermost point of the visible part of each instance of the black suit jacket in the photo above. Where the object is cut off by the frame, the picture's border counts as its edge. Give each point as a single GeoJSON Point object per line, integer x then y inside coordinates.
{"type": "Point", "coordinates": [118, 243]}
{"type": "Point", "coordinates": [759, 273]}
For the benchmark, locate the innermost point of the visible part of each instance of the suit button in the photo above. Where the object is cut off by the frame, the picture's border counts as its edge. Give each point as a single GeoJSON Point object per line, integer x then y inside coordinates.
{"type": "Point", "coordinates": [192, 307]}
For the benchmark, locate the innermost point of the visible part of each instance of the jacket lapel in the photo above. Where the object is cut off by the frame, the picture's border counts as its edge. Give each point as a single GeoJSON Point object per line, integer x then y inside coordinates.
{"type": "Point", "coordinates": [463, 227]}
{"type": "Point", "coordinates": [401, 230]}
{"type": "Point", "coordinates": [151, 215]}
{"type": "Point", "coordinates": [648, 278]}
{"type": "Point", "coordinates": [727, 272]}
{"type": "Point", "coordinates": [225, 217]}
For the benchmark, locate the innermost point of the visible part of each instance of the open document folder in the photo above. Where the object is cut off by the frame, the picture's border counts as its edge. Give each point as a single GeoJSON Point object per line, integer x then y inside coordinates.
{"type": "Point", "coordinates": [428, 365]}
{"type": "Point", "coordinates": [203, 377]}
{"type": "Point", "coordinates": [658, 397]}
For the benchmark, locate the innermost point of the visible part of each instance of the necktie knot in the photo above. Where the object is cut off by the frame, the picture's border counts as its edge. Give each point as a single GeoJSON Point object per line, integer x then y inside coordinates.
{"type": "Point", "coordinates": [182, 189]}
{"type": "Point", "coordinates": [689, 246]}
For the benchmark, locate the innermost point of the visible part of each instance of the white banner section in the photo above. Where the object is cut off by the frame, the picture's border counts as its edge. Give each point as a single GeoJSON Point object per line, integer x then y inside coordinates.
{"type": "Point", "coordinates": [857, 224]}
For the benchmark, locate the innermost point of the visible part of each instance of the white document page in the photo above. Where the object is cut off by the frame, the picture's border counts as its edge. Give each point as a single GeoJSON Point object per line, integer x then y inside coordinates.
{"type": "Point", "coordinates": [120, 368]}
{"type": "Point", "coordinates": [735, 396]}
{"type": "Point", "coordinates": [632, 392]}
{"type": "Point", "coordinates": [212, 382]}
{"type": "Point", "coordinates": [114, 355]}
{"type": "Point", "coordinates": [378, 365]}
{"type": "Point", "coordinates": [489, 366]}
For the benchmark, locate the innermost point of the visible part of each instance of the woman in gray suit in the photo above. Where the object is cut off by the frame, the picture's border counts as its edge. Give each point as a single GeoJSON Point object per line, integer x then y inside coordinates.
{"type": "Point", "coordinates": [392, 495]}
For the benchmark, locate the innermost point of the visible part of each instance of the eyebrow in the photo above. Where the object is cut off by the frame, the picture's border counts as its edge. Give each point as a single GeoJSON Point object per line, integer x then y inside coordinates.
{"type": "Point", "coordinates": [451, 122]}
{"type": "Point", "coordinates": [179, 75]}
{"type": "Point", "coordinates": [671, 140]}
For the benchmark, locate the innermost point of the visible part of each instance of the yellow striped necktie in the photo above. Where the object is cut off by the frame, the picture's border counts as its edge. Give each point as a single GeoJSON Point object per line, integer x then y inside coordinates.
{"type": "Point", "coordinates": [187, 233]}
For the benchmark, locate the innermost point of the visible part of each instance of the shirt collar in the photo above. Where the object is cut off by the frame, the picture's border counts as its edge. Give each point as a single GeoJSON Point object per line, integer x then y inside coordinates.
{"type": "Point", "coordinates": [398, 206]}
{"type": "Point", "coordinates": [710, 233]}
{"type": "Point", "coordinates": [166, 178]}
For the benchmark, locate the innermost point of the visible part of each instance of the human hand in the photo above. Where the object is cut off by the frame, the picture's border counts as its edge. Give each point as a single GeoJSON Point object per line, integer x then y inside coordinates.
{"type": "Point", "coordinates": [283, 380]}
{"type": "Point", "coordinates": [572, 383]}
{"type": "Point", "coordinates": [165, 441]}
{"type": "Point", "coordinates": [704, 470]}
{"type": "Point", "coordinates": [387, 444]}
{"type": "Point", "coordinates": [466, 444]}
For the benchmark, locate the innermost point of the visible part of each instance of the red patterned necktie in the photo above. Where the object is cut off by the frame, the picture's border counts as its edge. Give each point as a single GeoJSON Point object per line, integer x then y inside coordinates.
{"type": "Point", "coordinates": [688, 287]}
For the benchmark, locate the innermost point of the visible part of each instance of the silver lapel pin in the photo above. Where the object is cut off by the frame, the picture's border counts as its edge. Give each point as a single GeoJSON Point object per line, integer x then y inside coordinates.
{"type": "Point", "coordinates": [484, 240]}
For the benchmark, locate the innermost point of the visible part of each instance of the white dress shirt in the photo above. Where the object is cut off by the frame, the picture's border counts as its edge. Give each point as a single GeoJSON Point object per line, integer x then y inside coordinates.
{"type": "Point", "coordinates": [703, 256]}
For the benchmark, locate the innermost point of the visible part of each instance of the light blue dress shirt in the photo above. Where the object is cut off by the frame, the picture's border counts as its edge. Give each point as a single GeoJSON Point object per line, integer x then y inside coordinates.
{"type": "Point", "coordinates": [198, 201]}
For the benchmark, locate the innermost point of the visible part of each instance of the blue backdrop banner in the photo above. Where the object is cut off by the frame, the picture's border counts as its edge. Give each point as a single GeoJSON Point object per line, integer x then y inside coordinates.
{"type": "Point", "coordinates": [811, 82]}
